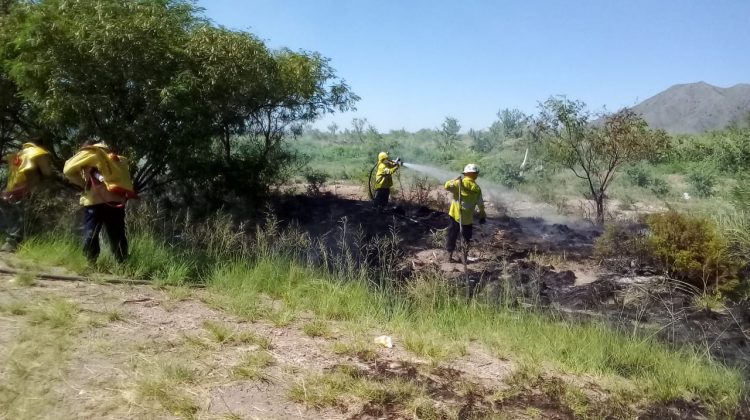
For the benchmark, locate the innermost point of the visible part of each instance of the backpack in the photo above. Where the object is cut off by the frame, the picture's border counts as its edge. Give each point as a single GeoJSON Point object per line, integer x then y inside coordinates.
{"type": "Point", "coordinates": [20, 166]}
{"type": "Point", "coordinates": [113, 173]}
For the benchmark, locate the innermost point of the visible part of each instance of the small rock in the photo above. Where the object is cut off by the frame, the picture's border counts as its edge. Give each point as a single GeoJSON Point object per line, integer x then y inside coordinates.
{"type": "Point", "coordinates": [385, 341]}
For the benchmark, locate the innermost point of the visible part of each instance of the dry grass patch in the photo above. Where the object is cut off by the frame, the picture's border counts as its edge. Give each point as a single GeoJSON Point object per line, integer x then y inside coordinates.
{"type": "Point", "coordinates": [33, 366]}
{"type": "Point", "coordinates": [317, 328]}
{"type": "Point", "coordinates": [166, 388]}
{"type": "Point", "coordinates": [253, 365]}
{"type": "Point", "coordinates": [224, 334]}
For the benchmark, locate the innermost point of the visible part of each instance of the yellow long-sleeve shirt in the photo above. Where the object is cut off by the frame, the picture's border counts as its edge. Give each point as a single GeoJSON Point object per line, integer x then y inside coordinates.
{"type": "Point", "coordinates": [384, 174]}
{"type": "Point", "coordinates": [471, 198]}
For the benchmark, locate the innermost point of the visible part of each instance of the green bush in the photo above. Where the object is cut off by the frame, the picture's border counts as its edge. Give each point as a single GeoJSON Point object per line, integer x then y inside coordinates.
{"type": "Point", "coordinates": [638, 176]}
{"type": "Point", "coordinates": [659, 187]}
{"type": "Point", "coordinates": [703, 182]}
{"type": "Point", "coordinates": [315, 181]}
{"type": "Point", "coordinates": [739, 195]}
{"type": "Point", "coordinates": [691, 249]}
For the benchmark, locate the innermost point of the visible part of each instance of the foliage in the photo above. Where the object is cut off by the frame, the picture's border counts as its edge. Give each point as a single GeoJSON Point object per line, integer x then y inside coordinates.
{"type": "Point", "coordinates": [594, 152]}
{"type": "Point", "coordinates": [481, 141]}
{"type": "Point", "coordinates": [691, 249]}
{"type": "Point", "coordinates": [132, 73]}
{"type": "Point", "coordinates": [703, 181]}
{"type": "Point", "coordinates": [659, 187]}
{"type": "Point", "coordinates": [510, 124]}
{"type": "Point", "coordinates": [449, 134]}
{"type": "Point", "coordinates": [638, 176]}
{"type": "Point", "coordinates": [315, 181]}
{"type": "Point", "coordinates": [622, 246]}
{"type": "Point", "coordinates": [739, 195]}
{"type": "Point", "coordinates": [506, 174]}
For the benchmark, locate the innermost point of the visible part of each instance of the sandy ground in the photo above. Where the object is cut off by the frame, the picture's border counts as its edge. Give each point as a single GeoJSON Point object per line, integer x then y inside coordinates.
{"type": "Point", "coordinates": [110, 358]}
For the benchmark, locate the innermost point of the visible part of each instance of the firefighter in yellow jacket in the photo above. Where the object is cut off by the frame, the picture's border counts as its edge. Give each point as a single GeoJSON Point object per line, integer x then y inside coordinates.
{"type": "Point", "coordinates": [27, 168]}
{"type": "Point", "coordinates": [384, 179]}
{"type": "Point", "coordinates": [462, 207]}
{"type": "Point", "coordinates": [105, 179]}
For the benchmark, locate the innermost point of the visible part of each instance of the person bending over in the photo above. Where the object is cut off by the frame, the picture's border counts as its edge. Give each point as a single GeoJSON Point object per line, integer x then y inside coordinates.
{"type": "Point", "coordinates": [105, 179]}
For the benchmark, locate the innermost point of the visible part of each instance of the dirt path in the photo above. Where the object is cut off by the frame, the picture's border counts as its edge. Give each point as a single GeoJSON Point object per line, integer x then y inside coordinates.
{"type": "Point", "coordinates": [140, 352]}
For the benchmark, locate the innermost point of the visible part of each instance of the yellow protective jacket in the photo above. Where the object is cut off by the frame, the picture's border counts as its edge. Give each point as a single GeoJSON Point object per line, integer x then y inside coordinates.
{"type": "Point", "coordinates": [115, 186]}
{"type": "Point", "coordinates": [383, 174]}
{"type": "Point", "coordinates": [471, 197]}
{"type": "Point", "coordinates": [25, 169]}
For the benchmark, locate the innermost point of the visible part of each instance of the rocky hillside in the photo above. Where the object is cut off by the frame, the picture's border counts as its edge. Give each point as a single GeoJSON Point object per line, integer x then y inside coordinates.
{"type": "Point", "coordinates": [696, 107]}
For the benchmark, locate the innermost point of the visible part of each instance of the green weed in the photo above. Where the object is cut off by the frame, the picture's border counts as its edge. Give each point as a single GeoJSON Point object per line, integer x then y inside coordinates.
{"type": "Point", "coordinates": [253, 365]}
{"type": "Point", "coordinates": [317, 329]}
{"type": "Point", "coordinates": [163, 388]}
{"type": "Point", "coordinates": [25, 279]}
{"type": "Point", "coordinates": [54, 313]}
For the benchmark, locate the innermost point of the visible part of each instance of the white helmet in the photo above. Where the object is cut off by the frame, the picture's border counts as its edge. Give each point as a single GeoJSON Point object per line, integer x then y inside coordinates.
{"type": "Point", "coordinates": [471, 169]}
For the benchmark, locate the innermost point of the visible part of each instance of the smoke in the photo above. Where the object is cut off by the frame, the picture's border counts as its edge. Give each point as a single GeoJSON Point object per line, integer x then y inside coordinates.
{"type": "Point", "coordinates": [517, 204]}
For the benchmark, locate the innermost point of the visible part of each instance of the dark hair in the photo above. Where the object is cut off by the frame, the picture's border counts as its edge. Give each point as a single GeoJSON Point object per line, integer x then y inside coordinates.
{"type": "Point", "coordinates": [89, 142]}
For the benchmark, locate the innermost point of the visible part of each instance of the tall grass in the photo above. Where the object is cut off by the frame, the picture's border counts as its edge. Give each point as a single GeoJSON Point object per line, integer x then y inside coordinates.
{"type": "Point", "coordinates": [352, 283]}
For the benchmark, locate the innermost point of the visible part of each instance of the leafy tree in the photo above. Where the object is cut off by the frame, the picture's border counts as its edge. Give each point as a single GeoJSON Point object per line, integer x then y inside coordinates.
{"type": "Point", "coordinates": [510, 124]}
{"type": "Point", "coordinates": [449, 134]}
{"type": "Point", "coordinates": [333, 128]}
{"type": "Point", "coordinates": [481, 141]}
{"type": "Point", "coordinates": [203, 106]}
{"type": "Point", "coordinates": [595, 151]}
{"type": "Point", "coordinates": [358, 128]}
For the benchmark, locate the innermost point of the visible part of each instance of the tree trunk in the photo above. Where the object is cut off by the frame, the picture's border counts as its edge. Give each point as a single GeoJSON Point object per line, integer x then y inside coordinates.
{"type": "Point", "coordinates": [599, 198]}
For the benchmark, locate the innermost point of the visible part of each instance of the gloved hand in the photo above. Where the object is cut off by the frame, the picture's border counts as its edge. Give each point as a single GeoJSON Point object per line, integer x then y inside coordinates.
{"type": "Point", "coordinates": [483, 220]}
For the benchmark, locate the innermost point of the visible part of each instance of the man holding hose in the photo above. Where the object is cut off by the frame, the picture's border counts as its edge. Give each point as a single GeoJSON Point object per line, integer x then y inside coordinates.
{"type": "Point", "coordinates": [384, 179]}
{"type": "Point", "coordinates": [466, 197]}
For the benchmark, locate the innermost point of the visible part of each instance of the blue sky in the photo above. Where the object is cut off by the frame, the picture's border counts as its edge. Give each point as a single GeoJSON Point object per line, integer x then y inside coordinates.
{"type": "Point", "coordinates": [414, 62]}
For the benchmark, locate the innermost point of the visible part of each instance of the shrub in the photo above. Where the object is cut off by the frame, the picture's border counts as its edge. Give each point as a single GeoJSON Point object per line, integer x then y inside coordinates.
{"type": "Point", "coordinates": [638, 176]}
{"type": "Point", "coordinates": [659, 187]}
{"type": "Point", "coordinates": [620, 245]}
{"type": "Point", "coordinates": [740, 197]}
{"type": "Point", "coordinates": [315, 180]}
{"type": "Point", "coordinates": [509, 175]}
{"type": "Point", "coordinates": [691, 249]}
{"type": "Point", "coordinates": [703, 182]}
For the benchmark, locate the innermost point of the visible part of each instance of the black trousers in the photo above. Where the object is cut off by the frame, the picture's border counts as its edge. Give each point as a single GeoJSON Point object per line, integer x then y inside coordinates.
{"type": "Point", "coordinates": [381, 197]}
{"type": "Point", "coordinates": [453, 231]}
{"type": "Point", "coordinates": [112, 218]}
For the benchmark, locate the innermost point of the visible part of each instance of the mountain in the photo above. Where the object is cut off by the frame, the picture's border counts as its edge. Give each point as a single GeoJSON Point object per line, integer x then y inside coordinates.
{"type": "Point", "coordinates": [696, 107]}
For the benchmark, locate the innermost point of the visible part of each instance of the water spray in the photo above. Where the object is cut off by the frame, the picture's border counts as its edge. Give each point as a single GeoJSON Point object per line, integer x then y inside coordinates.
{"type": "Point", "coordinates": [519, 204]}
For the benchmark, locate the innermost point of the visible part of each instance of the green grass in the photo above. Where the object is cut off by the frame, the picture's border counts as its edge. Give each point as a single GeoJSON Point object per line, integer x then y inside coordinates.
{"type": "Point", "coordinates": [163, 386]}
{"type": "Point", "coordinates": [432, 322]}
{"type": "Point", "coordinates": [317, 328]}
{"type": "Point", "coordinates": [25, 279]}
{"type": "Point", "coordinates": [345, 382]}
{"type": "Point", "coordinates": [253, 365]}
{"type": "Point", "coordinates": [224, 334]}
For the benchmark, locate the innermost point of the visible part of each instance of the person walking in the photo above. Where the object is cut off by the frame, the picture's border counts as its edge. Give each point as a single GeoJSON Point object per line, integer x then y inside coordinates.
{"type": "Point", "coordinates": [27, 169]}
{"type": "Point", "coordinates": [467, 195]}
{"type": "Point", "coordinates": [105, 179]}
{"type": "Point", "coordinates": [384, 180]}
